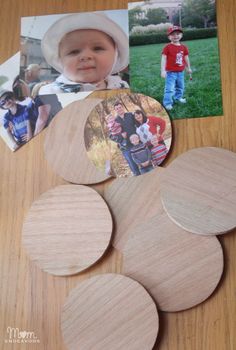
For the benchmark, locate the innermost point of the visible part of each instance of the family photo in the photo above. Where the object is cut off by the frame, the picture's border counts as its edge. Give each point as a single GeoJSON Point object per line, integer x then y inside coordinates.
{"type": "Point", "coordinates": [128, 135]}
{"type": "Point", "coordinates": [75, 52]}
{"type": "Point", "coordinates": [174, 55]}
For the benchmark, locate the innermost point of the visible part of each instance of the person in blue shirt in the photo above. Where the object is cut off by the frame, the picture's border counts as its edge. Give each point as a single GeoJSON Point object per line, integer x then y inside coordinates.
{"type": "Point", "coordinates": [16, 120]}
{"type": "Point", "coordinates": [41, 108]}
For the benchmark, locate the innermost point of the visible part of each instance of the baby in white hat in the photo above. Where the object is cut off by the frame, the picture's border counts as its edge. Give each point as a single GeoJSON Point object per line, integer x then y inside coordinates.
{"type": "Point", "coordinates": [87, 49]}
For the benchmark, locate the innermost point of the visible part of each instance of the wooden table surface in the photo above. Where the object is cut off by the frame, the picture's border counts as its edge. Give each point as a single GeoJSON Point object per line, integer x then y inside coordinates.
{"type": "Point", "coordinates": [30, 299]}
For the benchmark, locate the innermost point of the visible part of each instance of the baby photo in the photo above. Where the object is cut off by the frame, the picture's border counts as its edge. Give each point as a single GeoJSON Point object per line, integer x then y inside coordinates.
{"type": "Point", "coordinates": [128, 135]}
{"type": "Point", "coordinates": [75, 52]}
{"type": "Point", "coordinates": [174, 55]}
{"type": "Point", "coordinates": [24, 114]}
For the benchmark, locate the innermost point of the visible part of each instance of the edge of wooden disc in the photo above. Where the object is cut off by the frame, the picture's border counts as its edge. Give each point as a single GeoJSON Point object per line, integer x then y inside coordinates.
{"type": "Point", "coordinates": [179, 269]}
{"type": "Point", "coordinates": [109, 311]}
{"type": "Point", "coordinates": [132, 201]}
{"type": "Point", "coordinates": [67, 229]}
{"type": "Point", "coordinates": [64, 145]}
{"type": "Point", "coordinates": [198, 190]}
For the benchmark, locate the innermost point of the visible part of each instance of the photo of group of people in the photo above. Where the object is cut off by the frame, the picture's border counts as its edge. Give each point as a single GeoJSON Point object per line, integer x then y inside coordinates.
{"type": "Point", "coordinates": [128, 135]}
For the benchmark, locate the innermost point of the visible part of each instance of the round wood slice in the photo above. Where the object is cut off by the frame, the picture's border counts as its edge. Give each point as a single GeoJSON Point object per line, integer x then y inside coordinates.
{"type": "Point", "coordinates": [132, 201]}
{"type": "Point", "coordinates": [179, 269]}
{"type": "Point", "coordinates": [64, 144]}
{"type": "Point", "coordinates": [67, 229]}
{"type": "Point", "coordinates": [106, 141]}
{"type": "Point", "coordinates": [199, 190]}
{"type": "Point", "coordinates": [107, 312]}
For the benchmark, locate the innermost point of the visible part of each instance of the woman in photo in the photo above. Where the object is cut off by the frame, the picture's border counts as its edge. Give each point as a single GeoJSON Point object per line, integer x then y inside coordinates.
{"type": "Point", "coordinates": [147, 126]}
{"type": "Point", "coordinates": [150, 130]}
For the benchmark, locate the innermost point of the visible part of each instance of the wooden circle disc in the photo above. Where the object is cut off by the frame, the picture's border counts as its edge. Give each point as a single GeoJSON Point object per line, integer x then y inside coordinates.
{"type": "Point", "coordinates": [107, 312]}
{"type": "Point", "coordinates": [64, 144]}
{"type": "Point", "coordinates": [128, 139]}
{"type": "Point", "coordinates": [132, 201]}
{"type": "Point", "coordinates": [67, 229]}
{"type": "Point", "coordinates": [179, 269]}
{"type": "Point", "coordinates": [199, 190]}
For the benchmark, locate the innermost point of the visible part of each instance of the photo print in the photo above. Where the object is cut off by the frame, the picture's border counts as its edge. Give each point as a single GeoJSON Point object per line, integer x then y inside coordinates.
{"type": "Point", "coordinates": [23, 115]}
{"type": "Point", "coordinates": [128, 135]}
{"type": "Point", "coordinates": [75, 52]}
{"type": "Point", "coordinates": [174, 55]}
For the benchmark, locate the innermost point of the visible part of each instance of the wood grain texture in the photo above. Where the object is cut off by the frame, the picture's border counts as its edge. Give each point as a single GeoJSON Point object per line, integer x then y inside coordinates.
{"type": "Point", "coordinates": [133, 201]}
{"type": "Point", "coordinates": [179, 269]}
{"type": "Point", "coordinates": [31, 299]}
{"type": "Point", "coordinates": [64, 144]}
{"type": "Point", "coordinates": [198, 190]}
{"type": "Point", "coordinates": [109, 311]}
{"type": "Point", "coordinates": [67, 229]}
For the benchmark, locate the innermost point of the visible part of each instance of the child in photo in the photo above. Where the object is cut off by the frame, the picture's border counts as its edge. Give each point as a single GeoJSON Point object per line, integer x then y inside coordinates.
{"type": "Point", "coordinates": [140, 154]}
{"type": "Point", "coordinates": [158, 151]}
{"type": "Point", "coordinates": [175, 58]}
{"type": "Point", "coordinates": [16, 121]}
{"type": "Point", "coordinates": [89, 50]}
{"type": "Point", "coordinates": [115, 131]}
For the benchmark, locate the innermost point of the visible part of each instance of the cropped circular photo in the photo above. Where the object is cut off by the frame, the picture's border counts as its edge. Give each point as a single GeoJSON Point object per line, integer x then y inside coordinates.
{"type": "Point", "coordinates": [128, 135]}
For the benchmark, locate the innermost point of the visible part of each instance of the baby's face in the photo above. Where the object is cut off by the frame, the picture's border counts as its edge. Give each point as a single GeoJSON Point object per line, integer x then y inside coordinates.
{"type": "Point", "coordinates": [87, 55]}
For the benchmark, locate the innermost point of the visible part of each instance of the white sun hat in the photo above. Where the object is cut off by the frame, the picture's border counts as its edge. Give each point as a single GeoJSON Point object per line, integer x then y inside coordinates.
{"type": "Point", "coordinates": [90, 20]}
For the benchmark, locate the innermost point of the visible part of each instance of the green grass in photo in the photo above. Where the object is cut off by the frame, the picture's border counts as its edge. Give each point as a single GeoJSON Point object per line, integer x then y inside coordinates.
{"type": "Point", "coordinates": [203, 92]}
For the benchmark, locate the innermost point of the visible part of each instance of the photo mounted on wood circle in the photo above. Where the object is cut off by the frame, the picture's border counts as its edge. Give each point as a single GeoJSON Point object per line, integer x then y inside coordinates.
{"type": "Point", "coordinates": [128, 135]}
